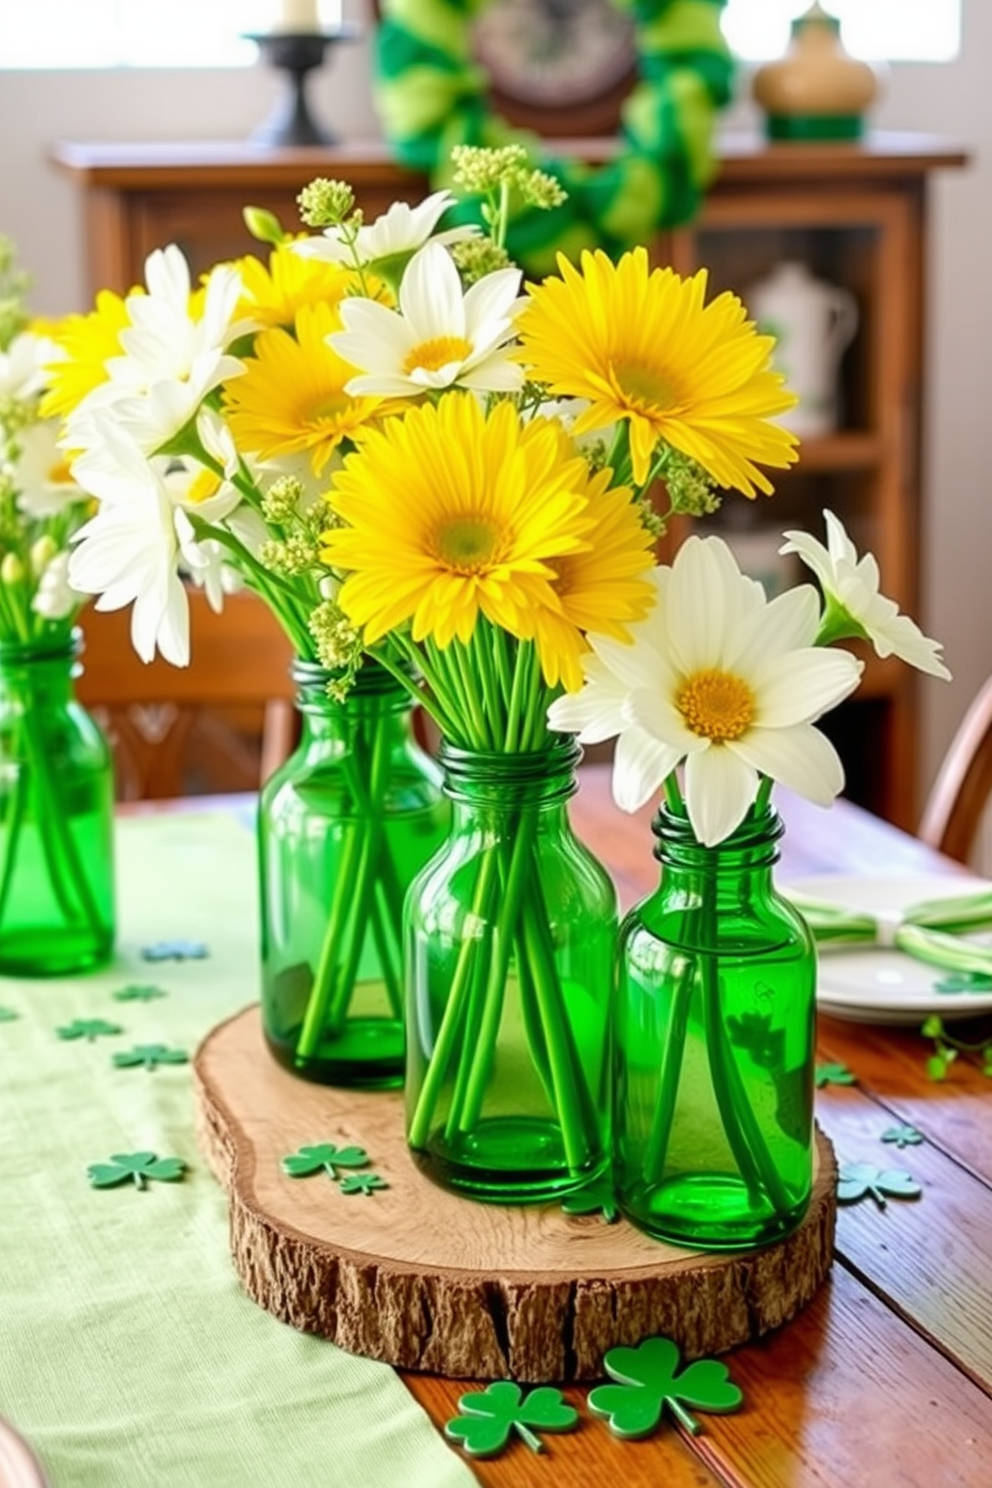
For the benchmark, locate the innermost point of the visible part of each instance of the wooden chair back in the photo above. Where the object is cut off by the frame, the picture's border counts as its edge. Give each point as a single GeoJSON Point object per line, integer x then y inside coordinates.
{"type": "Point", "coordinates": [963, 785]}
{"type": "Point", "coordinates": [221, 724]}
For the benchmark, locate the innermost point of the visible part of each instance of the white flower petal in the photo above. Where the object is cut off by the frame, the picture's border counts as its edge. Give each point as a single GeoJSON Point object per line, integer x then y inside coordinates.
{"type": "Point", "coordinates": [801, 758]}
{"type": "Point", "coordinates": [640, 766]}
{"type": "Point", "coordinates": [802, 685]}
{"type": "Point", "coordinates": [719, 787]}
{"type": "Point", "coordinates": [431, 297]}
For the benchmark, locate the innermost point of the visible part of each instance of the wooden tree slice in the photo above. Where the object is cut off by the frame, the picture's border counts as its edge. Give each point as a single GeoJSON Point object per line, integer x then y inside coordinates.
{"type": "Point", "coordinates": [424, 1279]}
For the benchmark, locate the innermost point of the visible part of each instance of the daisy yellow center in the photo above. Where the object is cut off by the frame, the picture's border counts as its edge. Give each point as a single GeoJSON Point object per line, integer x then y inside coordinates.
{"type": "Point", "coordinates": [59, 473]}
{"type": "Point", "coordinates": [203, 485]}
{"type": "Point", "coordinates": [467, 544]}
{"type": "Point", "coordinates": [331, 406]}
{"type": "Point", "coordinates": [644, 386]}
{"type": "Point", "coordinates": [716, 705]}
{"type": "Point", "coordinates": [437, 353]}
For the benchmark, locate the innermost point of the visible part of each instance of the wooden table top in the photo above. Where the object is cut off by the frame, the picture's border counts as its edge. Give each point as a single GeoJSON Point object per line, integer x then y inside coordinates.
{"type": "Point", "coordinates": [885, 1379]}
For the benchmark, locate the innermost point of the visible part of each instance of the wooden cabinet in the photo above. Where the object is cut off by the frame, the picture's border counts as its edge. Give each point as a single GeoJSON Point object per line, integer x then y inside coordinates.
{"type": "Point", "coordinates": [854, 214]}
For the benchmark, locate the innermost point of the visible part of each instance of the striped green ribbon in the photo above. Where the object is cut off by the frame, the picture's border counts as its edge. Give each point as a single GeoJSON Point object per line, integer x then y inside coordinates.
{"type": "Point", "coordinates": [430, 95]}
{"type": "Point", "coordinates": [929, 931]}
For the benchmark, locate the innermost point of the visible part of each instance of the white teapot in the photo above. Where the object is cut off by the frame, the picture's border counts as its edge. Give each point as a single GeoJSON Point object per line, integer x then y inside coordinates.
{"type": "Point", "coordinates": [813, 324]}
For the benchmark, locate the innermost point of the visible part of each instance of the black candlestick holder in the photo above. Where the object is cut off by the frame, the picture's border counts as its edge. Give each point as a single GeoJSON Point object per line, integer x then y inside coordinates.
{"type": "Point", "coordinates": [296, 54]}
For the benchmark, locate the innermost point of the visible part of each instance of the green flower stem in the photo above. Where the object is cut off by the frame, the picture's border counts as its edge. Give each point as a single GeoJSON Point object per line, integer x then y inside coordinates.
{"type": "Point", "coordinates": [531, 1017]}
{"type": "Point", "coordinates": [742, 1131]}
{"type": "Point", "coordinates": [320, 995]}
{"type": "Point", "coordinates": [668, 1081]}
{"type": "Point", "coordinates": [466, 973]}
{"type": "Point", "coordinates": [68, 877]}
{"type": "Point", "coordinates": [18, 806]}
{"type": "Point", "coordinates": [388, 952]}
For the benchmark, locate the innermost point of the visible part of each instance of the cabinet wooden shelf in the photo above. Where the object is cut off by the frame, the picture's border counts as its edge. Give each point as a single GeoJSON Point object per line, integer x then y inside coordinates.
{"type": "Point", "coordinates": [855, 214]}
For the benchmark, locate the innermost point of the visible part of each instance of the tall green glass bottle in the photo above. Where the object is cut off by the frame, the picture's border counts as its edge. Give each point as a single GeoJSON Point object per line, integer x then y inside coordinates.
{"type": "Point", "coordinates": [56, 817]}
{"type": "Point", "coordinates": [713, 1035]}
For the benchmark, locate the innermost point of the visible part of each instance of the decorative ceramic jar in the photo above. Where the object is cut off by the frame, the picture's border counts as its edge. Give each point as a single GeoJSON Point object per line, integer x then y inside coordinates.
{"type": "Point", "coordinates": [510, 941]}
{"type": "Point", "coordinates": [713, 1039]}
{"type": "Point", "coordinates": [816, 91]}
{"type": "Point", "coordinates": [56, 817]}
{"type": "Point", "coordinates": [813, 323]}
{"type": "Point", "coordinates": [344, 825]}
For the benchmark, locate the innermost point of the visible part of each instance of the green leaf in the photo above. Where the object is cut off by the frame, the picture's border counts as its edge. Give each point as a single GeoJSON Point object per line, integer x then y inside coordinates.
{"type": "Point", "coordinates": [595, 1198]}
{"type": "Point", "coordinates": [136, 1166]}
{"type": "Point", "coordinates": [902, 1135]}
{"type": "Point", "coordinates": [326, 1156]}
{"type": "Point", "coordinates": [150, 1055]}
{"type": "Point", "coordinates": [491, 1415]}
{"type": "Point", "coordinates": [833, 1074]}
{"type": "Point", "coordinates": [648, 1381]}
{"type": "Point", "coordinates": [936, 1067]}
{"type": "Point", "coordinates": [88, 1028]}
{"type": "Point", "coordinates": [856, 1181]}
{"type": "Point", "coordinates": [933, 1027]}
{"type": "Point", "coordinates": [138, 993]}
{"type": "Point", "coordinates": [363, 1183]}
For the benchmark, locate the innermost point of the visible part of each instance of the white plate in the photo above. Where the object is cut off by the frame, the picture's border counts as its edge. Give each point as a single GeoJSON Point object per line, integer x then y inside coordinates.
{"type": "Point", "coordinates": [19, 1468]}
{"type": "Point", "coordinates": [872, 984]}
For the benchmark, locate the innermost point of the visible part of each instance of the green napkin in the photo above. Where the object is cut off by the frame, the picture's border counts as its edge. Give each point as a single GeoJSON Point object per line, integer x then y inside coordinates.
{"type": "Point", "coordinates": [929, 931]}
{"type": "Point", "coordinates": [129, 1355]}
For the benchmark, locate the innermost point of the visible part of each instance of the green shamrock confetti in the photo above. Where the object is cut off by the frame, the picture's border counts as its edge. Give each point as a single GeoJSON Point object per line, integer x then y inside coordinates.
{"type": "Point", "coordinates": [363, 1183]}
{"type": "Point", "coordinates": [326, 1156]}
{"type": "Point", "coordinates": [88, 1028]}
{"type": "Point", "coordinates": [595, 1198]}
{"type": "Point", "coordinates": [964, 981]}
{"type": "Point", "coordinates": [857, 1180]}
{"type": "Point", "coordinates": [136, 1166]}
{"type": "Point", "coordinates": [648, 1382]}
{"type": "Point", "coordinates": [139, 993]}
{"type": "Point", "coordinates": [902, 1135]}
{"type": "Point", "coordinates": [833, 1074]}
{"type": "Point", "coordinates": [175, 950]}
{"type": "Point", "coordinates": [7, 1015]}
{"type": "Point", "coordinates": [150, 1056]}
{"type": "Point", "coordinates": [489, 1417]}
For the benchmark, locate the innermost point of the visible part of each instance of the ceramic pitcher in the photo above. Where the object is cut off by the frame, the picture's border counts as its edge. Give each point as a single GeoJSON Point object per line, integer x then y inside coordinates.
{"type": "Point", "coordinates": [813, 323]}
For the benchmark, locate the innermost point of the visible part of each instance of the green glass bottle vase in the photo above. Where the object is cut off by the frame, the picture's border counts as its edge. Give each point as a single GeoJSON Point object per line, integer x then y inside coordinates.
{"type": "Point", "coordinates": [344, 825]}
{"type": "Point", "coordinates": [510, 940]}
{"type": "Point", "coordinates": [713, 1038]}
{"type": "Point", "coordinates": [56, 817]}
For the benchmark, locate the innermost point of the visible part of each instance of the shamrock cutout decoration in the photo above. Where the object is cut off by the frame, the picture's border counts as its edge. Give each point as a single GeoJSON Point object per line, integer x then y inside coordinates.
{"type": "Point", "coordinates": [88, 1028]}
{"type": "Point", "coordinates": [832, 1074]}
{"type": "Point", "coordinates": [139, 993]}
{"type": "Point", "coordinates": [902, 1135]}
{"type": "Point", "coordinates": [136, 1166]}
{"type": "Point", "coordinates": [326, 1156]}
{"type": "Point", "coordinates": [857, 1180]}
{"type": "Point", "coordinates": [490, 1415]}
{"type": "Point", "coordinates": [174, 950]}
{"type": "Point", "coordinates": [595, 1198]}
{"type": "Point", "coordinates": [648, 1381]}
{"type": "Point", "coordinates": [7, 1015]}
{"type": "Point", "coordinates": [363, 1183]}
{"type": "Point", "coordinates": [150, 1056]}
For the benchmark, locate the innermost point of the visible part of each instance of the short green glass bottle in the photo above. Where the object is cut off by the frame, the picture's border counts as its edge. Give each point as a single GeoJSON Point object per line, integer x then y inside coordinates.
{"type": "Point", "coordinates": [713, 1038]}
{"type": "Point", "coordinates": [344, 825]}
{"type": "Point", "coordinates": [510, 941]}
{"type": "Point", "coordinates": [56, 817]}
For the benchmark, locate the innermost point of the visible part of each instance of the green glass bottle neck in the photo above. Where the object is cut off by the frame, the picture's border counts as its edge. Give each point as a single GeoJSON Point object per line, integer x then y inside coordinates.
{"type": "Point", "coordinates": [374, 695]}
{"type": "Point", "coordinates": [752, 849]}
{"type": "Point", "coordinates": [43, 673]}
{"type": "Point", "coordinates": [545, 779]}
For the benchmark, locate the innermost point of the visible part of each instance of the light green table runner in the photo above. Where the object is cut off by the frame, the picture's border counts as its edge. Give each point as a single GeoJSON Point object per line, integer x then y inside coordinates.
{"type": "Point", "coordinates": [129, 1356]}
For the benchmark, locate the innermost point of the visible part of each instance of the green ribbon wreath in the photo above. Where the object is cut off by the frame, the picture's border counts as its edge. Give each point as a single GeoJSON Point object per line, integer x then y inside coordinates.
{"type": "Point", "coordinates": [430, 96]}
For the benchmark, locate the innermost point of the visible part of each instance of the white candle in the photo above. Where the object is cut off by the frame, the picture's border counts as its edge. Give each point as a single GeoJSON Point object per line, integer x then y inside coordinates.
{"type": "Point", "coordinates": [297, 15]}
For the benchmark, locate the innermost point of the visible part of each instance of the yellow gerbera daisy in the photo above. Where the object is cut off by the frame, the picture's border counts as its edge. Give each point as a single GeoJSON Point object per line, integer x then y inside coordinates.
{"type": "Point", "coordinates": [601, 588]}
{"type": "Point", "coordinates": [275, 291]}
{"type": "Point", "coordinates": [87, 343]}
{"type": "Point", "coordinates": [453, 514]}
{"type": "Point", "coordinates": [641, 345]}
{"type": "Point", "coordinates": [291, 397]}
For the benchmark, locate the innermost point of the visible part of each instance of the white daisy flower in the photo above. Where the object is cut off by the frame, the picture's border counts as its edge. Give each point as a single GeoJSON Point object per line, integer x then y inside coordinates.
{"type": "Point", "coordinates": [208, 565]}
{"type": "Point", "coordinates": [44, 482]}
{"type": "Point", "coordinates": [402, 229]}
{"type": "Point", "coordinates": [439, 338]}
{"type": "Point", "coordinates": [55, 597]}
{"type": "Point", "coordinates": [22, 367]}
{"type": "Point", "coordinates": [130, 552]}
{"type": "Point", "coordinates": [855, 607]}
{"type": "Point", "coordinates": [722, 680]}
